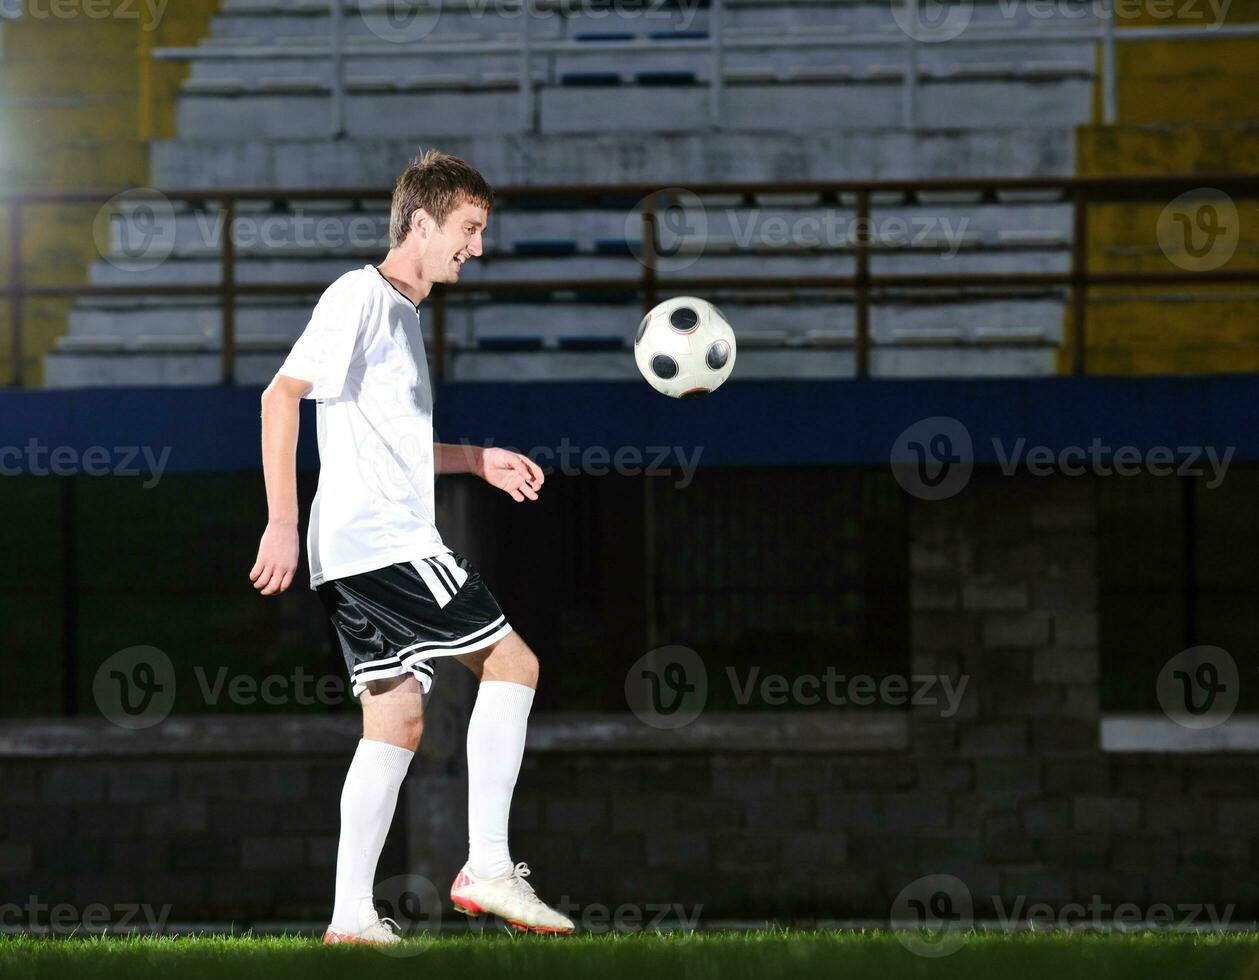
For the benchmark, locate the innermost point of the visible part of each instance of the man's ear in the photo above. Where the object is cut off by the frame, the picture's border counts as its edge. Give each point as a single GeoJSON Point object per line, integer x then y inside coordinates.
{"type": "Point", "coordinates": [421, 223]}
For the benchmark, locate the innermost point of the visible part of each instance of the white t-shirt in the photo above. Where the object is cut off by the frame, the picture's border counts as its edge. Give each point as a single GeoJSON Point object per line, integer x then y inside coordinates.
{"type": "Point", "coordinates": [363, 354]}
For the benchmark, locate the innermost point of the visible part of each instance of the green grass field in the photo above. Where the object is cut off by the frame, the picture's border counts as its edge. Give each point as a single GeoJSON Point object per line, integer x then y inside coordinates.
{"type": "Point", "coordinates": [780, 953]}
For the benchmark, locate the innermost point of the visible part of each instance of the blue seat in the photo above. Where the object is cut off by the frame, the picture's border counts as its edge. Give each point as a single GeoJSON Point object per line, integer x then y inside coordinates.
{"type": "Point", "coordinates": [509, 295]}
{"type": "Point", "coordinates": [547, 202]}
{"type": "Point", "coordinates": [613, 297]}
{"type": "Point", "coordinates": [506, 344]}
{"type": "Point", "coordinates": [604, 36]}
{"type": "Point", "coordinates": [590, 79]}
{"type": "Point", "coordinates": [616, 246]}
{"type": "Point", "coordinates": [679, 35]}
{"type": "Point", "coordinates": [618, 202]}
{"type": "Point", "coordinates": [662, 77]}
{"type": "Point", "coordinates": [591, 343]}
{"type": "Point", "coordinates": [545, 246]}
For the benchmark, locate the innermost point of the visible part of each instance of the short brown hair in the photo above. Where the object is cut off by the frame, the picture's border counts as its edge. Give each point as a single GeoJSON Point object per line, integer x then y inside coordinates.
{"type": "Point", "coordinates": [438, 183]}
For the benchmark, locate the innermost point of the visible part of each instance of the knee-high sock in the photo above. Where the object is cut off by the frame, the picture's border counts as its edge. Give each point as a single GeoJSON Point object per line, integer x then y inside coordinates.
{"type": "Point", "coordinates": [496, 745]}
{"type": "Point", "coordinates": [368, 800]}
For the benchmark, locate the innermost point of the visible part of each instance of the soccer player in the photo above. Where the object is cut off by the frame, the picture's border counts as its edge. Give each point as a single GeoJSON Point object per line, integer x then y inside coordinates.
{"type": "Point", "coordinates": [397, 596]}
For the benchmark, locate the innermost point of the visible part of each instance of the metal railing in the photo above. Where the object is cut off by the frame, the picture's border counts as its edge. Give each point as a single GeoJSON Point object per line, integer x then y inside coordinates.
{"type": "Point", "coordinates": [909, 40]}
{"type": "Point", "coordinates": [863, 284]}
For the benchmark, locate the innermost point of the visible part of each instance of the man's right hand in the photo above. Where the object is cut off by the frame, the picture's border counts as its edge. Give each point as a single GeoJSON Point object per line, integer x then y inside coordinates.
{"type": "Point", "coordinates": [277, 559]}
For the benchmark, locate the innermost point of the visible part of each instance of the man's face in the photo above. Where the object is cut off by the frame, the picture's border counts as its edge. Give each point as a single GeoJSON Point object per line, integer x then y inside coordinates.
{"type": "Point", "coordinates": [456, 241]}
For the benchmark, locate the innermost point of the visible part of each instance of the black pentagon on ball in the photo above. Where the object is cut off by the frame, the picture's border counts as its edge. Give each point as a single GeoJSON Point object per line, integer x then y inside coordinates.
{"type": "Point", "coordinates": [718, 354]}
{"type": "Point", "coordinates": [664, 367]}
{"type": "Point", "coordinates": [683, 319]}
{"type": "Point", "coordinates": [642, 329]}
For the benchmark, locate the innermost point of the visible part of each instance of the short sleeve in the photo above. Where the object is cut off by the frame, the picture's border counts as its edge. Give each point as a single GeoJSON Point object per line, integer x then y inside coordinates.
{"type": "Point", "coordinates": [323, 353]}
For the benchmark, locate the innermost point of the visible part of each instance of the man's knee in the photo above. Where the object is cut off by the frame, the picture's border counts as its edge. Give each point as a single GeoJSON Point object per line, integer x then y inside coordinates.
{"type": "Point", "coordinates": [512, 660]}
{"type": "Point", "coordinates": [394, 713]}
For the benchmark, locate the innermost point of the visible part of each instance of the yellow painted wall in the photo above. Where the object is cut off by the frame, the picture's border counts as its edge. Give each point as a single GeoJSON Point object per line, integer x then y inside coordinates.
{"type": "Point", "coordinates": [79, 100]}
{"type": "Point", "coordinates": [1185, 106]}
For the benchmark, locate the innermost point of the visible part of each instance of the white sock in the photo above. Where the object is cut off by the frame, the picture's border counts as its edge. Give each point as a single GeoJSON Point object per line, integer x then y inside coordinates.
{"type": "Point", "coordinates": [368, 800]}
{"type": "Point", "coordinates": [496, 745]}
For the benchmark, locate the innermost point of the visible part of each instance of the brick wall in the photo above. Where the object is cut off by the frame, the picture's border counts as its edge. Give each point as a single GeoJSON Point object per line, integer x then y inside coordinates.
{"type": "Point", "coordinates": [1012, 794]}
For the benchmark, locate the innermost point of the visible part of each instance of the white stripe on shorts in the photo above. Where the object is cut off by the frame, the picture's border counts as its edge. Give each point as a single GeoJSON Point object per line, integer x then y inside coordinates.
{"type": "Point", "coordinates": [448, 562]}
{"type": "Point", "coordinates": [483, 637]}
{"type": "Point", "coordinates": [436, 584]}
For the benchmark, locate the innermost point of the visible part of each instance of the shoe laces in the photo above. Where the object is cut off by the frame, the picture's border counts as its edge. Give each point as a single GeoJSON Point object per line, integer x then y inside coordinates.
{"type": "Point", "coordinates": [389, 926]}
{"type": "Point", "coordinates": [523, 888]}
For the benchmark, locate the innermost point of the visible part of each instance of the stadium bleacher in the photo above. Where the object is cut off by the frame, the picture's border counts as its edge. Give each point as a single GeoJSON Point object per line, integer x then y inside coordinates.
{"type": "Point", "coordinates": [260, 105]}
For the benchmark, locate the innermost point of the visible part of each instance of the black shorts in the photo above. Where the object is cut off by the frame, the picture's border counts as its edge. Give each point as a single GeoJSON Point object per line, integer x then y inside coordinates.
{"type": "Point", "coordinates": [392, 621]}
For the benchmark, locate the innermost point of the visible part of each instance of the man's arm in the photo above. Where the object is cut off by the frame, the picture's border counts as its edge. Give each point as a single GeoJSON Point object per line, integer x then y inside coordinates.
{"type": "Point", "coordinates": [513, 473]}
{"type": "Point", "coordinates": [279, 551]}
{"type": "Point", "coordinates": [449, 458]}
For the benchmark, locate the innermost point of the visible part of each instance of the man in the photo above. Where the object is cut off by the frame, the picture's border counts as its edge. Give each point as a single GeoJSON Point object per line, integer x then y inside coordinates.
{"type": "Point", "coordinates": [397, 596]}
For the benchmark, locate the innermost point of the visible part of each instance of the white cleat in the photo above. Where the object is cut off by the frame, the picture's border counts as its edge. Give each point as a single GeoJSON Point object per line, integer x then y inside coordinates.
{"type": "Point", "coordinates": [382, 932]}
{"type": "Point", "coordinates": [511, 898]}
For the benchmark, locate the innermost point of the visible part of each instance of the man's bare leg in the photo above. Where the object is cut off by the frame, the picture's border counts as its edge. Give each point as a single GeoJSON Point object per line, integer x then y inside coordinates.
{"type": "Point", "coordinates": [393, 721]}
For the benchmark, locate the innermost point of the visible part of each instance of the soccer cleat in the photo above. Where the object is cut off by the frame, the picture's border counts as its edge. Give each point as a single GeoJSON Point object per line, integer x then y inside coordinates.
{"type": "Point", "coordinates": [511, 898]}
{"type": "Point", "coordinates": [382, 932]}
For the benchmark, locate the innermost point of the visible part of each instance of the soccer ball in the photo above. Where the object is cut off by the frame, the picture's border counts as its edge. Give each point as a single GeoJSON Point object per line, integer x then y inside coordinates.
{"type": "Point", "coordinates": [684, 347]}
